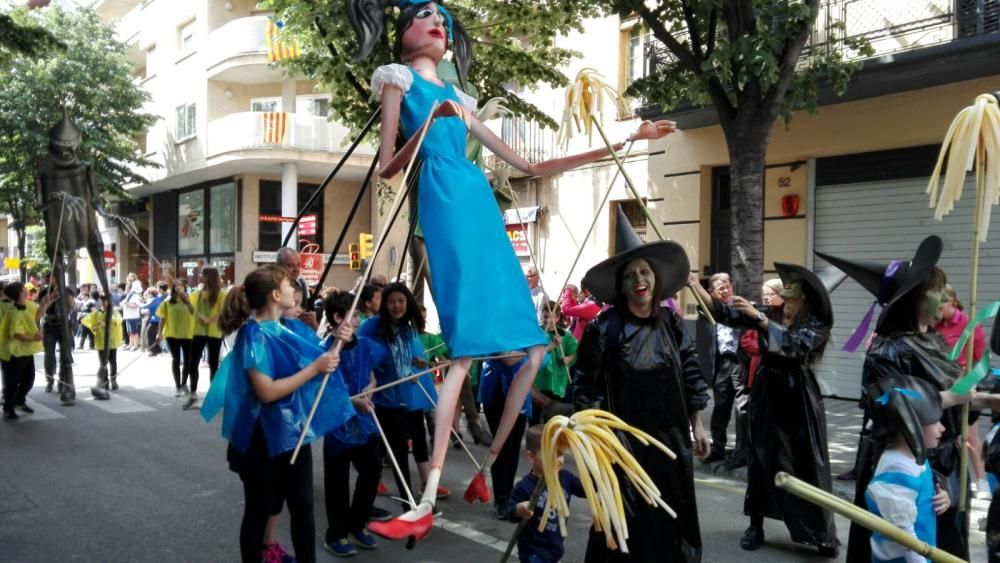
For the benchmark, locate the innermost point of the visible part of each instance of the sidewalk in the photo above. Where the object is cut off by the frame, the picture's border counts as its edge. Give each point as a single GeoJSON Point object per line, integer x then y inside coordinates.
{"type": "Point", "coordinates": [843, 423]}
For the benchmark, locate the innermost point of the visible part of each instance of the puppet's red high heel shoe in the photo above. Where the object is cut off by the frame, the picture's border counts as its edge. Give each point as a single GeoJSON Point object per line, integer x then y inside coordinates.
{"type": "Point", "coordinates": [403, 527]}
{"type": "Point", "coordinates": [478, 489]}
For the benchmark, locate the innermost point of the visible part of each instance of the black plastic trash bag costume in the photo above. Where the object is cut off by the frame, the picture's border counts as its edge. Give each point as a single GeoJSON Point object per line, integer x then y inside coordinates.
{"type": "Point", "coordinates": [898, 351]}
{"type": "Point", "coordinates": [787, 416]}
{"type": "Point", "coordinates": [67, 195]}
{"type": "Point", "coordinates": [992, 459]}
{"type": "Point", "coordinates": [646, 372]}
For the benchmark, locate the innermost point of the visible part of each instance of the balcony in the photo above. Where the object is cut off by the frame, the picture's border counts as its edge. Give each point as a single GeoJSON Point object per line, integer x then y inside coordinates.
{"type": "Point", "coordinates": [917, 45]}
{"type": "Point", "coordinates": [237, 52]}
{"type": "Point", "coordinates": [248, 131]}
{"type": "Point", "coordinates": [113, 9]}
{"type": "Point", "coordinates": [528, 139]}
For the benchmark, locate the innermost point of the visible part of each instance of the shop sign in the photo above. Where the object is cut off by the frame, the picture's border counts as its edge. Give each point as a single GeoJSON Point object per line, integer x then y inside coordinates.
{"type": "Point", "coordinates": [307, 226]}
{"type": "Point", "coordinates": [517, 233]}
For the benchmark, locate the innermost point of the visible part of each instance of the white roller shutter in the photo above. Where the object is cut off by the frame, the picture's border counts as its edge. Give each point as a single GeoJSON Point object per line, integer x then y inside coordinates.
{"type": "Point", "coordinates": [882, 221]}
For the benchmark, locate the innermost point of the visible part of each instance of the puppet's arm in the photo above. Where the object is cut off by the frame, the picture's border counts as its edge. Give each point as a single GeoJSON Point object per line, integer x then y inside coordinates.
{"type": "Point", "coordinates": [98, 204]}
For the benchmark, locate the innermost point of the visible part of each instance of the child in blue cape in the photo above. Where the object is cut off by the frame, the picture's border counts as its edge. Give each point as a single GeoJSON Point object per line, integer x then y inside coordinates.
{"type": "Point", "coordinates": [265, 388]}
{"type": "Point", "coordinates": [494, 383]}
{"type": "Point", "coordinates": [907, 416]}
{"type": "Point", "coordinates": [355, 443]}
{"type": "Point", "coordinates": [401, 409]}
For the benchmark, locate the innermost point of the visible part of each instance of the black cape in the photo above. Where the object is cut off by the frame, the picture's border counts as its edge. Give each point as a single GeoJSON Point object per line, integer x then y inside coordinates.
{"type": "Point", "coordinates": [646, 372]}
{"type": "Point", "coordinates": [788, 431]}
{"type": "Point", "coordinates": [922, 355]}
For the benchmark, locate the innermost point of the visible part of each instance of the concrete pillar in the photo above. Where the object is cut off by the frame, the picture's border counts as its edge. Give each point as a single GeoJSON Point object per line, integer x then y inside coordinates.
{"type": "Point", "coordinates": [289, 198]}
{"type": "Point", "coordinates": [288, 96]}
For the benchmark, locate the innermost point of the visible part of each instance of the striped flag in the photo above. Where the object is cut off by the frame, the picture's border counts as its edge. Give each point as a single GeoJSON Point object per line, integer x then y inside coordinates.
{"type": "Point", "coordinates": [275, 125]}
{"type": "Point", "coordinates": [276, 50]}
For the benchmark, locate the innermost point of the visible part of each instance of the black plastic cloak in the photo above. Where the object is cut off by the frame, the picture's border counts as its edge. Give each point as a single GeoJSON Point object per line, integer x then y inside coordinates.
{"type": "Point", "coordinates": [922, 355]}
{"type": "Point", "coordinates": [646, 372]}
{"type": "Point", "coordinates": [788, 431]}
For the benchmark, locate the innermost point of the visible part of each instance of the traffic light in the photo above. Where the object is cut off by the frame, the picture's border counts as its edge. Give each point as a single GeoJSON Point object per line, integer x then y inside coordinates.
{"type": "Point", "coordinates": [367, 246]}
{"type": "Point", "coordinates": [355, 258]}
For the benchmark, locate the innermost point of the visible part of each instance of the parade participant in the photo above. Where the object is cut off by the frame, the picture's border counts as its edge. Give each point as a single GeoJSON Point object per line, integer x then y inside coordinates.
{"type": "Point", "coordinates": [289, 259]}
{"type": "Point", "coordinates": [637, 362]}
{"type": "Point", "coordinates": [153, 330]}
{"type": "Point", "coordinates": [463, 229]}
{"type": "Point", "coordinates": [177, 327]}
{"type": "Point", "coordinates": [401, 409]}
{"type": "Point", "coordinates": [207, 304]}
{"type": "Point", "coordinates": [95, 322]}
{"type": "Point", "coordinates": [354, 443]}
{"type": "Point", "coordinates": [494, 387]}
{"type": "Point", "coordinates": [534, 546]}
{"type": "Point", "coordinates": [52, 334]}
{"type": "Point", "coordinates": [6, 310]}
{"type": "Point", "coordinates": [131, 311]}
{"type": "Point", "coordinates": [24, 340]}
{"type": "Point", "coordinates": [371, 301]}
{"type": "Point", "coordinates": [787, 418]}
{"type": "Point", "coordinates": [264, 388]}
{"type": "Point", "coordinates": [910, 293]}
{"type": "Point", "coordinates": [580, 308]}
{"type": "Point", "coordinates": [906, 412]}
{"type": "Point", "coordinates": [553, 377]}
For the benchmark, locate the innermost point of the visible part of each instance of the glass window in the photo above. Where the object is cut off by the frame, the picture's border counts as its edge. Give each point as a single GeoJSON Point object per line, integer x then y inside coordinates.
{"type": "Point", "coordinates": [265, 104]}
{"type": "Point", "coordinates": [186, 37]}
{"type": "Point", "coordinates": [638, 36]}
{"type": "Point", "coordinates": [150, 61]}
{"type": "Point", "coordinates": [185, 124]}
{"type": "Point", "coordinates": [222, 226]}
{"type": "Point", "coordinates": [269, 234]}
{"type": "Point", "coordinates": [191, 222]}
{"type": "Point", "coordinates": [317, 107]}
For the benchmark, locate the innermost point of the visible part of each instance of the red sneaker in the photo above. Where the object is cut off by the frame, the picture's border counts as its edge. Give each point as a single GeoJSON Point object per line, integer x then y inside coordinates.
{"type": "Point", "coordinates": [477, 489]}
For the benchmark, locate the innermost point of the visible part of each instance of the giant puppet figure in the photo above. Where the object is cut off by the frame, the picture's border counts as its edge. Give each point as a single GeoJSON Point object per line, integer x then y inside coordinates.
{"type": "Point", "coordinates": [467, 245]}
{"type": "Point", "coordinates": [66, 193]}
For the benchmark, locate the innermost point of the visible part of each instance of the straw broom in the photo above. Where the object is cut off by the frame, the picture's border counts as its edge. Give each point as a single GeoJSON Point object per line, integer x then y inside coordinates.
{"type": "Point", "coordinates": [972, 140]}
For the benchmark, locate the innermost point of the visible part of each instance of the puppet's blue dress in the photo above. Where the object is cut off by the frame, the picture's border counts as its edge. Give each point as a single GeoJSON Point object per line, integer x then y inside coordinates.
{"type": "Point", "coordinates": [275, 351]}
{"type": "Point", "coordinates": [481, 295]}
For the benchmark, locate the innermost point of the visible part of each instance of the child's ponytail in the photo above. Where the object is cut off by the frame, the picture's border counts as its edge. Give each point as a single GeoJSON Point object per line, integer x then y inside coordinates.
{"type": "Point", "coordinates": [253, 295]}
{"type": "Point", "coordinates": [235, 310]}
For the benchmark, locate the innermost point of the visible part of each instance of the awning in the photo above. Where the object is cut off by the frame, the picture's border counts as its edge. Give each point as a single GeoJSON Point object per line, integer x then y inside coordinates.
{"type": "Point", "coordinates": [519, 215]}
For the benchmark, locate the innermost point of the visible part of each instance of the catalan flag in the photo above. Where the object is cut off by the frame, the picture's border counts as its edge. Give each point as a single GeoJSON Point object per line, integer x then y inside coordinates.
{"type": "Point", "coordinates": [276, 50]}
{"type": "Point", "coordinates": [275, 125]}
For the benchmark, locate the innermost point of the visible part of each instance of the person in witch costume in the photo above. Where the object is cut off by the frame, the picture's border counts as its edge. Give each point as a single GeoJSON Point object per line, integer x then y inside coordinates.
{"type": "Point", "coordinates": [637, 361]}
{"type": "Point", "coordinates": [787, 418]}
{"type": "Point", "coordinates": [463, 229]}
{"type": "Point", "coordinates": [910, 293]}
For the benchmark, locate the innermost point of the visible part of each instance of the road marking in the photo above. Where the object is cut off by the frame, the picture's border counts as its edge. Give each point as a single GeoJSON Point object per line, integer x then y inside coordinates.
{"type": "Point", "coordinates": [722, 485]}
{"type": "Point", "coordinates": [471, 534]}
{"type": "Point", "coordinates": [118, 404]}
{"type": "Point", "coordinates": [42, 412]}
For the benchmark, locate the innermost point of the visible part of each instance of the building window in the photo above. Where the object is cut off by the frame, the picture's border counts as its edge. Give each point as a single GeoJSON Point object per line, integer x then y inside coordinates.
{"type": "Point", "coordinates": [151, 62]}
{"type": "Point", "coordinates": [191, 223]}
{"type": "Point", "coordinates": [185, 127]}
{"type": "Point", "coordinates": [316, 107]}
{"type": "Point", "coordinates": [269, 233]}
{"type": "Point", "coordinates": [222, 227]}
{"type": "Point", "coordinates": [186, 38]}
{"type": "Point", "coordinates": [265, 104]}
{"type": "Point", "coordinates": [635, 67]}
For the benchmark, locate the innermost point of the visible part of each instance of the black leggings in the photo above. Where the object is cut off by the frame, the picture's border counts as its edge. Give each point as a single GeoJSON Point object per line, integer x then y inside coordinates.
{"type": "Point", "coordinates": [214, 346]}
{"type": "Point", "coordinates": [343, 514]}
{"type": "Point", "coordinates": [394, 423]}
{"type": "Point", "coordinates": [267, 483]}
{"type": "Point", "coordinates": [180, 349]}
{"type": "Point", "coordinates": [504, 469]}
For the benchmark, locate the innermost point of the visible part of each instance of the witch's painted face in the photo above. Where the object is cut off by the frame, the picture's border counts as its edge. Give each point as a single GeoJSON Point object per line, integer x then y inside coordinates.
{"type": "Point", "coordinates": [931, 306]}
{"type": "Point", "coordinates": [427, 34]}
{"type": "Point", "coordinates": [639, 282]}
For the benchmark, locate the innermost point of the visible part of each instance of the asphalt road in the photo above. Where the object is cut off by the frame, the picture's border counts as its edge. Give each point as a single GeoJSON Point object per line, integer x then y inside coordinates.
{"type": "Point", "coordinates": [138, 479]}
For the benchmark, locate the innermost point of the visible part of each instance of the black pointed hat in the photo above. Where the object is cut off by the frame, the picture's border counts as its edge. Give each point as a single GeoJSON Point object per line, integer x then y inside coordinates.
{"type": "Point", "coordinates": [904, 404]}
{"type": "Point", "coordinates": [889, 282]}
{"type": "Point", "coordinates": [817, 285]}
{"type": "Point", "coordinates": [666, 257]}
{"type": "Point", "coordinates": [65, 133]}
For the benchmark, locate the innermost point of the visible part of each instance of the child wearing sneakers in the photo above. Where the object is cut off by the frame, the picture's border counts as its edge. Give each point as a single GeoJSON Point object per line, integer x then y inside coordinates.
{"type": "Point", "coordinates": [355, 442]}
{"type": "Point", "coordinates": [907, 415]}
{"type": "Point", "coordinates": [95, 323]}
{"type": "Point", "coordinates": [23, 340]}
{"type": "Point", "coordinates": [534, 546]}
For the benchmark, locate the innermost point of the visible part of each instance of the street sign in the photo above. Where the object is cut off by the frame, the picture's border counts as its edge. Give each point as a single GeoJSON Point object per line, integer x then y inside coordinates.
{"type": "Point", "coordinates": [109, 259]}
{"type": "Point", "coordinates": [367, 247]}
{"type": "Point", "coordinates": [270, 257]}
{"type": "Point", "coordinates": [307, 226]}
{"type": "Point", "coordinates": [275, 219]}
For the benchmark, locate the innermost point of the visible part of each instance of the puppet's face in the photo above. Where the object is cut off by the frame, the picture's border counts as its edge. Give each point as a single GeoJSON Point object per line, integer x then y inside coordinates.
{"type": "Point", "coordinates": [62, 155]}
{"type": "Point", "coordinates": [426, 35]}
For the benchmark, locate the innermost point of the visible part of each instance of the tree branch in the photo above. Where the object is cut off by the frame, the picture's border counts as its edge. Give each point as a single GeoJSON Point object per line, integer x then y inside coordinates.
{"type": "Point", "coordinates": [713, 25]}
{"type": "Point", "coordinates": [693, 32]}
{"type": "Point", "coordinates": [358, 86]}
{"type": "Point", "coordinates": [788, 61]}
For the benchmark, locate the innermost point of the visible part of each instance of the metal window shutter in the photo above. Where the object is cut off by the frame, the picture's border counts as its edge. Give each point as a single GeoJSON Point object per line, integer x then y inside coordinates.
{"type": "Point", "coordinates": [882, 221]}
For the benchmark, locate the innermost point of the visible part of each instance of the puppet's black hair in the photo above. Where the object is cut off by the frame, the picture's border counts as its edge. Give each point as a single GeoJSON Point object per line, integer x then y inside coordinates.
{"type": "Point", "coordinates": [368, 20]}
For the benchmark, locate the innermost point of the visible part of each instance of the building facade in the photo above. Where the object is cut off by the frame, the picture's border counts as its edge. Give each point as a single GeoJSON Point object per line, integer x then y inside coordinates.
{"type": "Point", "coordinates": [241, 145]}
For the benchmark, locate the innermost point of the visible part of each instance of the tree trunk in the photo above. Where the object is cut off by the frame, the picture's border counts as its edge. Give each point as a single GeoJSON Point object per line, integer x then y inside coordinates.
{"type": "Point", "coordinates": [746, 153]}
{"type": "Point", "coordinates": [21, 248]}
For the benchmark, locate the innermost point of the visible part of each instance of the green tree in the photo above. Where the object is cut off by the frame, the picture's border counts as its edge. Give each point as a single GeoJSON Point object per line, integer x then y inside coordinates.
{"type": "Point", "coordinates": [23, 39]}
{"type": "Point", "coordinates": [744, 57]}
{"type": "Point", "coordinates": [94, 78]}
{"type": "Point", "coordinates": [513, 44]}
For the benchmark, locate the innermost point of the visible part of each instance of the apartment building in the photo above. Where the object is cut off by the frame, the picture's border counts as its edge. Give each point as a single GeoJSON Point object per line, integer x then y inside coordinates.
{"type": "Point", "coordinates": [241, 145]}
{"type": "Point", "coordinates": [850, 180]}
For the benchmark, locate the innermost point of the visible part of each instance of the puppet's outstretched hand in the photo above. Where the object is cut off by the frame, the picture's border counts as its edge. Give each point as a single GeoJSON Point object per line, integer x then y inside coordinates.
{"type": "Point", "coordinates": [649, 130]}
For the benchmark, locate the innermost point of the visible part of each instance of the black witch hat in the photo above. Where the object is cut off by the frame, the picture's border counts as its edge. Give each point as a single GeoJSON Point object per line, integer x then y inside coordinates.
{"type": "Point", "coordinates": [888, 282]}
{"type": "Point", "coordinates": [817, 286]}
{"type": "Point", "coordinates": [666, 257]}
{"type": "Point", "coordinates": [904, 404]}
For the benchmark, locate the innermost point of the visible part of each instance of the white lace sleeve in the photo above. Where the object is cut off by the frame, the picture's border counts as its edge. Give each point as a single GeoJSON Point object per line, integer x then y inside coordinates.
{"type": "Point", "coordinates": [395, 74]}
{"type": "Point", "coordinates": [468, 101]}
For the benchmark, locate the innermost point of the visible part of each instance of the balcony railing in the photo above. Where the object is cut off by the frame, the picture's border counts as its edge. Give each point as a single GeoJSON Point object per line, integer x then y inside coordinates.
{"type": "Point", "coordinates": [891, 26]}
{"type": "Point", "coordinates": [528, 139]}
{"type": "Point", "coordinates": [237, 38]}
{"type": "Point", "coordinates": [248, 130]}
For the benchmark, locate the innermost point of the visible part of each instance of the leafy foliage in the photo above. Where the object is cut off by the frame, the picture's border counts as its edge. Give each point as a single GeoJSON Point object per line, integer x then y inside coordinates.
{"type": "Point", "coordinates": [513, 45]}
{"type": "Point", "coordinates": [24, 39]}
{"type": "Point", "coordinates": [94, 77]}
